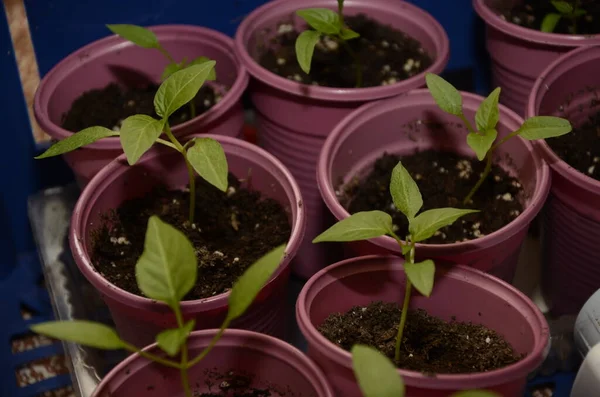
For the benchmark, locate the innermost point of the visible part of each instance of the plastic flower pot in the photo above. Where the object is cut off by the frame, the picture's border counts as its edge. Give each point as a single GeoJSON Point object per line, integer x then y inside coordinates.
{"type": "Point", "coordinates": [282, 367]}
{"type": "Point", "coordinates": [294, 119]}
{"type": "Point", "coordinates": [399, 125]}
{"type": "Point", "coordinates": [460, 291]}
{"type": "Point", "coordinates": [115, 60]}
{"type": "Point", "coordinates": [520, 54]}
{"type": "Point", "coordinates": [571, 218]}
{"type": "Point", "coordinates": [139, 319]}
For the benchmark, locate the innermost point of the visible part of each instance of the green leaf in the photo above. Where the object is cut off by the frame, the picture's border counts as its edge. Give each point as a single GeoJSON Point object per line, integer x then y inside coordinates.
{"type": "Point", "coordinates": [359, 226]}
{"type": "Point", "coordinates": [212, 76]}
{"type": "Point", "coordinates": [167, 269]}
{"type": "Point", "coordinates": [208, 159]}
{"type": "Point", "coordinates": [181, 88]}
{"type": "Point", "coordinates": [564, 7]}
{"type": "Point", "coordinates": [405, 249]}
{"type": "Point", "coordinates": [322, 20]}
{"type": "Point", "coordinates": [77, 140]}
{"type": "Point", "coordinates": [247, 287]}
{"type": "Point", "coordinates": [376, 375]}
{"type": "Point", "coordinates": [405, 192]}
{"type": "Point", "coordinates": [421, 275]}
{"type": "Point", "coordinates": [171, 340]}
{"type": "Point", "coordinates": [136, 34]}
{"type": "Point", "coordinates": [549, 22]}
{"type": "Point", "coordinates": [487, 115]}
{"type": "Point", "coordinates": [170, 69]}
{"type": "Point", "coordinates": [542, 127]}
{"type": "Point", "coordinates": [138, 134]}
{"type": "Point", "coordinates": [85, 333]}
{"type": "Point", "coordinates": [481, 143]}
{"type": "Point", "coordinates": [348, 34]}
{"type": "Point", "coordinates": [475, 393]}
{"type": "Point", "coordinates": [445, 95]}
{"type": "Point", "coordinates": [429, 222]}
{"type": "Point", "coordinates": [579, 12]}
{"type": "Point", "coordinates": [305, 48]}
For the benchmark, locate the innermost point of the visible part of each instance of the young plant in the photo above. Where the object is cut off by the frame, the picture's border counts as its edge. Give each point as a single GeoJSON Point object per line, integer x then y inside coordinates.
{"type": "Point", "coordinates": [483, 138]}
{"type": "Point", "coordinates": [569, 10]}
{"type": "Point", "coordinates": [147, 39]}
{"type": "Point", "coordinates": [325, 23]}
{"type": "Point", "coordinates": [370, 224]}
{"type": "Point", "coordinates": [166, 272]}
{"type": "Point", "coordinates": [139, 132]}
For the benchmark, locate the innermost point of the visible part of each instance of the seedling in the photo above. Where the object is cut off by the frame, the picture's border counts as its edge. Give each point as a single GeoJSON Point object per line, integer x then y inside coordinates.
{"type": "Point", "coordinates": [139, 132]}
{"type": "Point", "coordinates": [325, 23]}
{"type": "Point", "coordinates": [147, 39]}
{"type": "Point", "coordinates": [370, 224]}
{"type": "Point", "coordinates": [166, 272]}
{"type": "Point", "coordinates": [569, 10]}
{"type": "Point", "coordinates": [483, 138]}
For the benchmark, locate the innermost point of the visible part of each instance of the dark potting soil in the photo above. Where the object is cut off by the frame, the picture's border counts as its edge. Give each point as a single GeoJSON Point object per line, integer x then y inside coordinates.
{"type": "Point", "coordinates": [387, 56]}
{"type": "Point", "coordinates": [231, 231]}
{"type": "Point", "coordinates": [430, 345]}
{"type": "Point", "coordinates": [108, 107]}
{"type": "Point", "coordinates": [232, 385]}
{"type": "Point", "coordinates": [531, 13]}
{"type": "Point", "coordinates": [444, 180]}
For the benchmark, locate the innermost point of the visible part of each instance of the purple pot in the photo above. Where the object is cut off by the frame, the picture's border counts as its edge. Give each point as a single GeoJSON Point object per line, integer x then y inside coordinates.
{"type": "Point", "coordinates": [397, 126]}
{"type": "Point", "coordinates": [571, 222]}
{"type": "Point", "coordinates": [294, 119]}
{"type": "Point", "coordinates": [281, 366]}
{"type": "Point", "coordinates": [520, 54]}
{"type": "Point", "coordinates": [115, 60]}
{"type": "Point", "coordinates": [460, 291]}
{"type": "Point", "coordinates": [139, 319]}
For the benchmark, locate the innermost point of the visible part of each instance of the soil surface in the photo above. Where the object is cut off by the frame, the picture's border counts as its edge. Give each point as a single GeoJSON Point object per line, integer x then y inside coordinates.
{"type": "Point", "coordinates": [231, 231]}
{"type": "Point", "coordinates": [444, 180]}
{"type": "Point", "coordinates": [430, 345]}
{"type": "Point", "coordinates": [387, 56]}
{"type": "Point", "coordinates": [531, 13]}
{"type": "Point", "coordinates": [108, 107]}
{"type": "Point", "coordinates": [233, 385]}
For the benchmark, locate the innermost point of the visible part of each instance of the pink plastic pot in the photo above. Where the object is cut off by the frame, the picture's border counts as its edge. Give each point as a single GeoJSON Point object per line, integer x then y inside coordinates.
{"type": "Point", "coordinates": [139, 319]}
{"type": "Point", "coordinates": [281, 366]}
{"type": "Point", "coordinates": [400, 125]}
{"type": "Point", "coordinates": [113, 59]}
{"type": "Point", "coordinates": [571, 222]}
{"type": "Point", "coordinates": [294, 119]}
{"type": "Point", "coordinates": [519, 54]}
{"type": "Point", "coordinates": [460, 291]}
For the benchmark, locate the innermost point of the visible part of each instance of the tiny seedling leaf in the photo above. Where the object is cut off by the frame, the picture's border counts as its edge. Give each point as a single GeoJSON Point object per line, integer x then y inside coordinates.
{"type": "Point", "coordinates": [541, 127]}
{"type": "Point", "coordinates": [212, 76]}
{"type": "Point", "coordinates": [445, 95]}
{"type": "Point", "coordinates": [85, 333]}
{"type": "Point", "coordinates": [376, 375]}
{"type": "Point", "coordinates": [77, 140]}
{"type": "Point", "coordinates": [138, 134]}
{"type": "Point", "coordinates": [180, 88]}
{"type": "Point", "coordinates": [171, 340]}
{"type": "Point", "coordinates": [482, 142]}
{"type": "Point", "coordinates": [421, 275]}
{"type": "Point", "coordinates": [429, 222]}
{"type": "Point", "coordinates": [475, 393]}
{"type": "Point", "coordinates": [247, 287]}
{"type": "Point", "coordinates": [348, 34]}
{"type": "Point", "coordinates": [487, 115]}
{"type": "Point", "coordinates": [564, 7]}
{"type": "Point", "coordinates": [167, 269]}
{"type": "Point", "coordinates": [208, 159]}
{"type": "Point", "coordinates": [305, 48]}
{"type": "Point", "coordinates": [359, 226]}
{"type": "Point", "coordinates": [549, 22]}
{"type": "Point", "coordinates": [170, 69]}
{"type": "Point", "coordinates": [405, 192]}
{"type": "Point", "coordinates": [322, 20]}
{"type": "Point", "coordinates": [136, 34]}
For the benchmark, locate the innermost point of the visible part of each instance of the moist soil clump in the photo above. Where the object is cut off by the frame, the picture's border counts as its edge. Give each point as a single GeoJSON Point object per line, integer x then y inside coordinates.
{"type": "Point", "coordinates": [387, 56]}
{"type": "Point", "coordinates": [231, 231]}
{"type": "Point", "coordinates": [444, 179]}
{"type": "Point", "coordinates": [430, 345]}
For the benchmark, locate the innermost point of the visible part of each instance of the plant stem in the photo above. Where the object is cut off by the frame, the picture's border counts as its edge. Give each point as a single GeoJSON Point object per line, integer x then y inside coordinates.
{"type": "Point", "coordinates": [190, 169]}
{"type": "Point", "coordinates": [410, 257]}
{"type": "Point", "coordinates": [212, 344]}
{"type": "Point", "coordinates": [192, 108]}
{"type": "Point", "coordinates": [468, 124]}
{"type": "Point", "coordinates": [184, 355]}
{"type": "Point", "coordinates": [341, 11]}
{"type": "Point", "coordinates": [152, 357]}
{"type": "Point", "coordinates": [486, 172]}
{"type": "Point", "coordinates": [166, 54]}
{"type": "Point", "coordinates": [166, 143]}
{"type": "Point", "coordinates": [357, 63]}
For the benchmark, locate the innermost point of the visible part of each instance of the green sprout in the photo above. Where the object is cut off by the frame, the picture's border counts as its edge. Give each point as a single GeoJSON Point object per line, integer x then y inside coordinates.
{"type": "Point", "coordinates": [140, 132]}
{"type": "Point", "coordinates": [325, 23]}
{"type": "Point", "coordinates": [370, 224]}
{"type": "Point", "coordinates": [145, 38]}
{"type": "Point", "coordinates": [166, 271]}
{"type": "Point", "coordinates": [483, 139]}
{"type": "Point", "coordinates": [569, 10]}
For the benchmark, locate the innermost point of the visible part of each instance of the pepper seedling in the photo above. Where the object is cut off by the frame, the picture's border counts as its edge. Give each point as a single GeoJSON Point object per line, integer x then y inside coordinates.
{"type": "Point", "coordinates": [325, 22]}
{"type": "Point", "coordinates": [482, 140]}
{"type": "Point", "coordinates": [569, 10]}
{"type": "Point", "coordinates": [370, 224]}
{"type": "Point", "coordinates": [166, 271]}
{"type": "Point", "coordinates": [146, 38]}
{"type": "Point", "coordinates": [140, 132]}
